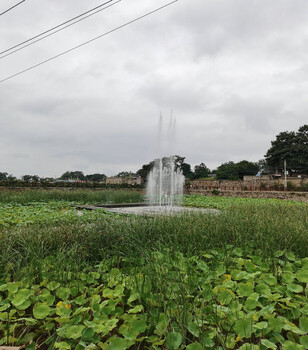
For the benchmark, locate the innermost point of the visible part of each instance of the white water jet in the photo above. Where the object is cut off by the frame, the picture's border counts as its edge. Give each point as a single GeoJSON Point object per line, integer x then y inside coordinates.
{"type": "Point", "coordinates": [165, 183]}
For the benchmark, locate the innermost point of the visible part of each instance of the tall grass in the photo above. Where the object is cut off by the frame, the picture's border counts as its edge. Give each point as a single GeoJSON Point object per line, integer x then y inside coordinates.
{"type": "Point", "coordinates": [73, 195]}
{"type": "Point", "coordinates": [263, 228]}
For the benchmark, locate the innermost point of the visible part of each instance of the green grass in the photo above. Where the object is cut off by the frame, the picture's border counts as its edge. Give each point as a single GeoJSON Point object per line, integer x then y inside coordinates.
{"type": "Point", "coordinates": [76, 195]}
{"type": "Point", "coordinates": [235, 280]}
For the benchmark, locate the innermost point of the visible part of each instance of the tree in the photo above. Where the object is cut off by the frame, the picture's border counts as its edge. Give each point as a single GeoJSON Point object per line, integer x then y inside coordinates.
{"type": "Point", "coordinates": [125, 174]}
{"type": "Point", "coordinates": [30, 178]}
{"type": "Point", "coordinates": [3, 176]}
{"type": "Point", "coordinates": [291, 147]}
{"type": "Point", "coordinates": [96, 177]}
{"type": "Point", "coordinates": [227, 171]}
{"type": "Point", "coordinates": [236, 171]}
{"type": "Point", "coordinates": [145, 170]}
{"type": "Point", "coordinates": [201, 170]}
{"type": "Point", "coordinates": [186, 170]}
{"type": "Point", "coordinates": [73, 175]}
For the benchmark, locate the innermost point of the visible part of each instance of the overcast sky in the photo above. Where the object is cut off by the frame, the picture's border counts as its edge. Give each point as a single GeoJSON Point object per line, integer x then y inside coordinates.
{"type": "Point", "coordinates": [234, 72]}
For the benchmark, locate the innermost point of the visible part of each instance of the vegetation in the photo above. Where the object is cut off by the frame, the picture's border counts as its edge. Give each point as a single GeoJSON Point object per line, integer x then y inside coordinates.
{"type": "Point", "coordinates": [234, 280]}
{"type": "Point", "coordinates": [291, 147]}
{"type": "Point", "coordinates": [236, 171]}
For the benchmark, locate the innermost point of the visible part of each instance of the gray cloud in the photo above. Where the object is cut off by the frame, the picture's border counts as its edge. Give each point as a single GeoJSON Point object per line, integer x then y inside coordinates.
{"type": "Point", "coordinates": [234, 72]}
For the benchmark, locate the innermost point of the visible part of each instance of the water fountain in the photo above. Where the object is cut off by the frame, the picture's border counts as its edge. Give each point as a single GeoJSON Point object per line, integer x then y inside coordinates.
{"type": "Point", "coordinates": [165, 183]}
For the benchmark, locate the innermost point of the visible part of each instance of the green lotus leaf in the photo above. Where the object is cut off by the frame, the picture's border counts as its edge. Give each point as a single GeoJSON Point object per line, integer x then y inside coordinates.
{"type": "Point", "coordinates": [21, 299]}
{"type": "Point", "coordinates": [288, 326]}
{"type": "Point", "coordinates": [116, 343]}
{"type": "Point", "coordinates": [290, 256]}
{"type": "Point", "coordinates": [80, 300]}
{"type": "Point", "coordinates": [106, 326]}
{"type": "Point", "coordinates": [243, 327]}
{"type": "Point", "coordinates": [136, 309]}
{"type": "Point", "coordinates": [303, 323]}
{"type": "Point", "coordinates": [62, 345]}
{"type": "Point", "coordinates": [304, 341]}
{"type": "Point", "coordinates": [12, 287]}
{"type": "Point", "coordinates": [193, 328]}
{"type": "Point", "coordinates": [302, 275]}
{"type": "Point", "coordinates": [296, 288]}
{"type": "Point", "coordinates": [173, 340]}
{"type": "Point", "coordinates": [132, 329]}
{"type": "Point", "coordinates": [63, 293]}
{"type": "Point", "coordinates": [269, 279]}
{"type": "Point", "coordinates": [290, 345]}
{"type": "Point", "coordinates": [3, 287]}
{"type": "Point", "coordinates": [261, 325]}
{"type": "Point", "coordinates": [62, 311]}
{"type": "Point", "coordinates": [163, 322]}
{"type": "Point", "coordinates": [74, 332]}
{"type": "Point", "coordinates": [245, 289]}
{"type": "Point", "coordinates": [268, 344]}
{"type": "Point", "coordinates": [194, 346]}
{"type": "Point", "coordinates": [40, 311]}
{"type": "Point", "coordinates": [263, 289]}
{"type": "Point", "coordinates": [287, 277]}
{"type": "Point", "coordinates": [53, 285]}
{"type": "Point", "coordinates": [278, 253]}
{"type": "Point", "coordinates": [224, 296]}
{"type": "Point", "coordinates": [230, 341]}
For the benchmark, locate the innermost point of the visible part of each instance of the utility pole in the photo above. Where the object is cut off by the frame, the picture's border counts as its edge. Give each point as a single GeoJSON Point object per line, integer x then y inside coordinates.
{"type": "Point", "coordinates": [285, 175]}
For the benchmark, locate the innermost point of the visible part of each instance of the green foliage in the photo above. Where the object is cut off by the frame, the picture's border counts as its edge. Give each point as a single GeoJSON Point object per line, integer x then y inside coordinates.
{"type": "Point", "coordinates": [3, 176]}
{"type": "Point", "coordinates": [166, 301]}
{"type": "Point", "coordinates": [96, 177]}
{"type": "Point", "coordinates": [201, 171]}
{"type": "Point", "coordinates": [73, 175]}
{"type": "Point", "coordinates": [78, 196]}
{"type": "Point", "coordinates": [292, 147]}
{"type": "Point", "coordinates": [236, 171]}
{"type": "Point", "coordinates": [193, 281]}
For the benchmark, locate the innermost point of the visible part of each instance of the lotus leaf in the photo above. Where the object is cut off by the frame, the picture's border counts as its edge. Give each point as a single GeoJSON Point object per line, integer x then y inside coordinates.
{"type": "Point", "coordinates": [173, 340]}
{"type": "Point", "coordinates": [40, 311]}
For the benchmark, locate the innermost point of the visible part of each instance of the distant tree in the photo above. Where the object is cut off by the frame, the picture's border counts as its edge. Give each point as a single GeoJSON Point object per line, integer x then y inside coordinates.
{"type": "Point", "coordinates": [246, 168]}
{"type": "Point", "coordinates": [145, 170]}
{"type": "Point", "coordinates": [201, 170]}
{"type": "Point", "coordinates": [236, 171]}
{"type": "Point", "coordinates": [3, 176]}
{"type": "Point", "coordinates": [291, 147]}
{"type": "Point", "coordinates": [47, 179]}
{"type": "Point", "coordinates": [125, 174]}
{"type": "Point", "coordinates": [73, 175]}
{"type": "Point", "coordinates": [227, 171]}
{"type": "Point", "coordinates": [30, 178]}
{"type": "Point", "coordinates": [96, 177]}
{"type": "Point", "coordinates": [186, 170]}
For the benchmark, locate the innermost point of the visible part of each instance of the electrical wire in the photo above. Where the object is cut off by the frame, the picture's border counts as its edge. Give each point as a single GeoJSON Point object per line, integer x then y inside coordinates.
{"type": "Point", "coordinates": [58, 30]}
{"type": "Point", "coordinates": [89, 41]}
{"type": "Point", "coordinates": [55, 27]}
{"type": "Point", "coordinates": [11, 8]}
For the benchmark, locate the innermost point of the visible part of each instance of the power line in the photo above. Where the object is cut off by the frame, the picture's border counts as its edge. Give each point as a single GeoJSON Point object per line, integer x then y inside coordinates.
{"type": "Point", "coordinates": [55, 27]}
{"type": "Point", "coordinates": [56, 31]}
{"type": "Point", "coordinates": [11, 8]}
{"type": "Point", "coordinates": [89, 41]}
